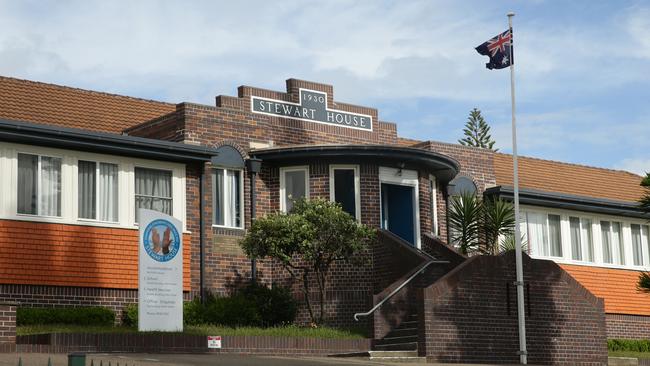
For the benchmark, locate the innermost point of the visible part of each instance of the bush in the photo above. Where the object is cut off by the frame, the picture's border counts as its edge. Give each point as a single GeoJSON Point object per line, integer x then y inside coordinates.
{"type": "Point", "coordinates": [130, 315]}
{"type": "Point", "coordinates": [275, 305]}
{"type": "Point", "coordinates": [631, 345]}
{"type": "Point", "coordinates": [254, 305]}
{"type": "Point", "coordinates": [76, 316]}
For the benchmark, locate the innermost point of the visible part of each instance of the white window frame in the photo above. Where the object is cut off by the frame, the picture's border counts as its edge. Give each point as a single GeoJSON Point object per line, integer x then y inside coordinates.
{"type": "Point", "coordinates": [403, 177]}
{"type": "Point", "coordinates": [70, 190]}
{"type": "Point", "coordinates": [357, 186]}
{"type": "Point", "coordinates": [38, 185]}
{"type": "Point", "coordinates": [76, 178]}
{"type": "Point", "coordinates": [596, 237]}
{"type": "Point", "coordinates": [583, 246]}
{"type": "Point", "coordinates": [226, 198]}
{"type": "Point", "coordinates": [433, 191]}
{"type": "Point", "coordinates": [283, 171]}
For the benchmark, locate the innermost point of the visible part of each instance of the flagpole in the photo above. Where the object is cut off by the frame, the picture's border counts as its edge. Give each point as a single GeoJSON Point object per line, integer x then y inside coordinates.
{"type": "Point", "coordinates": [521, 315]}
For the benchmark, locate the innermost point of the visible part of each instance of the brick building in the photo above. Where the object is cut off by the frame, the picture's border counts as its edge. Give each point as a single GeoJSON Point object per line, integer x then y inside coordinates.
{"type": "Point", "coordinates": [76, 164]}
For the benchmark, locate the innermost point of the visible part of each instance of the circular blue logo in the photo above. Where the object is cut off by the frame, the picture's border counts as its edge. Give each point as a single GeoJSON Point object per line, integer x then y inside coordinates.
{"type": "Point", "coordinates": [161, 240]}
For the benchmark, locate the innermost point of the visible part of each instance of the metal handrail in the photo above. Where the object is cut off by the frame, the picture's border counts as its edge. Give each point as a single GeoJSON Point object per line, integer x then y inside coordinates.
{"type": "Point", "coordinates": [357, 315]}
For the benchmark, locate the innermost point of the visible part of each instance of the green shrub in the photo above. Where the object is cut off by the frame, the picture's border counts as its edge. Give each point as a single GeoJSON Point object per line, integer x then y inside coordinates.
{"type": "Point", "coordinates": [632, 345]}
{"type": "Point", "coordinates": [233, 311]}
{"type": "Point", "coordinates": [76, 316]}
{"type": "Point", "coordinates": [130, 315]}
{"type": "Point", "coordinates": [275, 305]}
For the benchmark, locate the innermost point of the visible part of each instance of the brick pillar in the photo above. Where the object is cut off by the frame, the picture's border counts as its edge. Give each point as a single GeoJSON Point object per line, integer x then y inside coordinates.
{"type": "Point", "coordinates": [7, 327]}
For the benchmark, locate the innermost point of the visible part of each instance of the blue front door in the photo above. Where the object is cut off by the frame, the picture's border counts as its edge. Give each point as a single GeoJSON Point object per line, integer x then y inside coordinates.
{"type": "Point", "coordinates": [398, 211]}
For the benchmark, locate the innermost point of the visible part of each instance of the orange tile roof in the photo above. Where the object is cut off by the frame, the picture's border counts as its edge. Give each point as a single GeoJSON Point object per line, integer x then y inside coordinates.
{"type": "Point", "coordinates": [616, 286]}
{"type": "Point", "coordinates": [580, 180]}
{"type": "Point", "coordinates": [31, 101]}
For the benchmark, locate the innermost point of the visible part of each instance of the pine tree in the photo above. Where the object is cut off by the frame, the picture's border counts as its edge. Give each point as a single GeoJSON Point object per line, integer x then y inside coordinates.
{"type": "Point", "coordinates": [477, 132]}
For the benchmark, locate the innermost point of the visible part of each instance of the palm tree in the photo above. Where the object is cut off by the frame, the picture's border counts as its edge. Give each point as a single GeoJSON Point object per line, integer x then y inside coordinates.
{"type": "Point", "coordinates": [644, 203]}
{"type": "Point", "coordinates": [498, 221]}
{"type": "Point", "coordinates": [465, 221]}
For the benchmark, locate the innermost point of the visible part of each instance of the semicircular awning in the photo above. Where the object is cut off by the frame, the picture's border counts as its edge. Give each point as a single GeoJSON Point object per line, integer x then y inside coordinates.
{"type": "Point", "coordinates": [441, 166]}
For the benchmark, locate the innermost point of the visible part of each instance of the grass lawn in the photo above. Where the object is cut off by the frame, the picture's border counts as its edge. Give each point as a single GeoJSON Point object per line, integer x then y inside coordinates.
{"type": "Point", "coordinates": [629, 354]}
{"type": "Point", "coordinates": [290, 331]}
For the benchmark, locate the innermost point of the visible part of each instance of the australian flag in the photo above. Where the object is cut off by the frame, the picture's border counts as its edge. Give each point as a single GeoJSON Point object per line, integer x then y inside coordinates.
{"type": "Point", "coordinates": [498, 49]}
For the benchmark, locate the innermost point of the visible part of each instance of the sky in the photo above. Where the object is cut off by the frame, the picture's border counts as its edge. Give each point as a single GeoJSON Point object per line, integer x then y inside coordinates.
{"type": "Point", "coordinates": [582, 68]}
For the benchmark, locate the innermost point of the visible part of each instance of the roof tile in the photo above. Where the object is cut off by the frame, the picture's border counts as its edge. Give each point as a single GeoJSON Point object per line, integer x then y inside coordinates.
{"type": "Point", "coordinates": [580, 180]}
{"type": "Point", "coordinates": [31, 101]}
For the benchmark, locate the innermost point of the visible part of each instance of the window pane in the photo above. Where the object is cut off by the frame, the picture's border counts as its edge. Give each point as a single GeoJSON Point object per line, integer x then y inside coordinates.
{"type": "Point", "coordinates": [294, 186]}
{"type": "Point", "coordinates": [108, 193]}
{"type": "Point", "coordinates": [617, 243]}
{"type": "Point", "coordinates": [27, 184]}
{"type": "Point", "coordinates": [87, 171]}
{"type": "Point", "coordinates": [537, 233]}
{"type": "Point", "coordinates": [234, 204]}
{"type": "Point", "coordinates": [645, 236]}
{"type": "Point", "coordinates": [607, 245]}
{"type": "Point", "coordinates": [217, 196]}
{"type": "Point", "coordinates": [50, 186]}
{"type": "Point", "coordinates": [636, 244]}
{"type": "Point", "coordinates": [576, 247]}
{"type": "Point", "coordinates": [153, 190]}
{"type": "Point", "coordinates": [554, 234]}
{"type": "Point", "coordinates": [344, 190]}
{"type": "Point", "coordinates": [587, 240]}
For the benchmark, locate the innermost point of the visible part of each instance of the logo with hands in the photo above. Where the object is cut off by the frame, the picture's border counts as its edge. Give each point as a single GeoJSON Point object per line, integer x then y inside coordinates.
{"type": "Point", "coordinates": [165, 248]}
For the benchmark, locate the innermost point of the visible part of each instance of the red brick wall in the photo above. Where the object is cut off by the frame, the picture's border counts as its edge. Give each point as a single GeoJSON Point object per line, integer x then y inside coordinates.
{"type": "Point", "coordinates": [623, 326]}
{"type": "Point", "coordinates": [470, 315]}
{"type": "Point", "coordinates": [7, 323]}
{"type": "Point", "coordinates": [39, 253]}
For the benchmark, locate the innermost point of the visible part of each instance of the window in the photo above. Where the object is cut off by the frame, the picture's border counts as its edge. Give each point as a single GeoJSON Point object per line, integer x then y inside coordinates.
{"type": "Point", "coordinates": [294, 184]}
{"type": "Point", "coordinates": [98, 197]}
{"type": "Point", "coordinates": [544, 234]}
{"type": "Point", "coordinates": [228, 193]}
{"type": "Point", "coordinates": [344, 188]}
{"type": "Point", "coordinates": [582, 246]}
{"type": "Point", "coordinates": [39, 185]}
{"type": "Point", "coordinates": [639, 241]}
{"type": "Point", "coordinates": [433, 193]}
{"type": "Point", "coordinates": [153, 190]}
{"type": "Point", "coordinates": [612, 241]}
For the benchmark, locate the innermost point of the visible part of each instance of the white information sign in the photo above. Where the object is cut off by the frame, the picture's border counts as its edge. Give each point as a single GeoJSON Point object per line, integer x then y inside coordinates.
{"type": "Point", "coordinates": [160, 305]}
{"type": "Point", "coordinates": [214, 341]}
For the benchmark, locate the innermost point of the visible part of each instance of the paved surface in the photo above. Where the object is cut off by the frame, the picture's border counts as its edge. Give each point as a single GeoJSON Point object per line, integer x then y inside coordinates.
{"type": "Point", "coordinates": [38, 359]}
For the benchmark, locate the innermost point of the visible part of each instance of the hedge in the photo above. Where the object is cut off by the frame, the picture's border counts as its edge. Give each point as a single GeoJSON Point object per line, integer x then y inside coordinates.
{"type": "Point", "coordinates": [76, 316]}
{"type": "Point", "coordinates": [632, 345]}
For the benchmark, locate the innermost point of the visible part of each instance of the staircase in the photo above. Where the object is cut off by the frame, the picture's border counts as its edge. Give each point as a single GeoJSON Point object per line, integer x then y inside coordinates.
{"type": "Point", "coordinates": [401, 342]}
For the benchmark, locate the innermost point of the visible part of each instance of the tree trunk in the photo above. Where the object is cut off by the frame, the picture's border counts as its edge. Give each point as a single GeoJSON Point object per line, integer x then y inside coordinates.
{"type": "Point", "coordinates": [305, 290]}
{"type": "Point", "coordinates": [321, 288]}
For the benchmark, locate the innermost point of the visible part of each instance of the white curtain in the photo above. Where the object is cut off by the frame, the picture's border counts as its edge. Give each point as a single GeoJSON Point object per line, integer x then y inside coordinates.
{"type": "Point", "coordinates": [645, 236]}
{"type": "Point", "coordinates": [233, 199]}
{"type": "Point", "coordinates": [587, 240]}
{"type": "Point", "coordinates": [108, 193]}
{"type": "Point", "coordinates": [27, 184]}
{"type": "Point", "coordinates": [554, 235]}
{"type": "Point", "coordinates": [86, 172]}
{"type": "Point", "coordinates": [294, 187]}
{"type": "Point", "coordinates": [50, 186]}
{"type": "Point", "coordinates": [636, 244]}
{"type": "Point", "coordinates": [576, 244]}
{"type": "Point", "coordinates": [537, 234]}
{"type": "Point", "coordinates": [617, 243]}
{"type": "Point", "coordinates": [153, 190]}
{"type": "Point", "coordinates": [606, 239]}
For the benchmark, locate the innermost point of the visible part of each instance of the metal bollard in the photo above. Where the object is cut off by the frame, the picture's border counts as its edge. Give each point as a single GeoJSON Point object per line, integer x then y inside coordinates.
{"type": "Point", "coordinates": [77, 359]}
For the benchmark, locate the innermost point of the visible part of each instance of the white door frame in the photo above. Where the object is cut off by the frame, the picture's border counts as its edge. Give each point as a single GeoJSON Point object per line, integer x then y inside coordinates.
{"type": "Point", "coordinates": [403, 177]}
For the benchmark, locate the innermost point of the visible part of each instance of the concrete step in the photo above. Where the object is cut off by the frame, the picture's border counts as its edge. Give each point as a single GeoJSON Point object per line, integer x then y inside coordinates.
{"type": "Point", "coordinates": [396, 356]}
{"type": "Point", "coordinates": [404, 346]}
